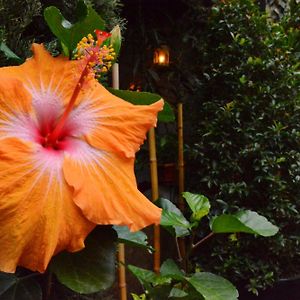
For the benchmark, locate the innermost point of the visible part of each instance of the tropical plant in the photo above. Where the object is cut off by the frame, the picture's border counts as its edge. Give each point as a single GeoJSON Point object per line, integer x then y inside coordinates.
{"type": "Point", "coordinates": [244, 131]}
{"type": "Point", "coordinates": [190, 281]}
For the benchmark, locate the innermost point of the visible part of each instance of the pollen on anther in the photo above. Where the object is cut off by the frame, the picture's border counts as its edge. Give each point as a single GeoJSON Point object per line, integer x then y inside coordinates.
{"type": "Point", "coordinates": [99, 57]}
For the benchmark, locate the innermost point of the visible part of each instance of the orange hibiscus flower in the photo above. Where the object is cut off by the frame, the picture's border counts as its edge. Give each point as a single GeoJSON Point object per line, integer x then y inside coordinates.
{"type": "Point", "coordinates": [65, 168]}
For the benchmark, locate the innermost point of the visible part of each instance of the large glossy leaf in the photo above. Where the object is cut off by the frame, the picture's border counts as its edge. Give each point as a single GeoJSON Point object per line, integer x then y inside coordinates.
{"type": "Point", "coordinates": [138, 238]}
{"type": "Point", "coordinates": [173, 219]}
{"type": "Point", "coordinates": [19, 288]}
{"type": "Point", "coordinates": [169, 218]}
{"type": "Point", "coordinates": [91, 269]}
{"type": "Point", "coordinates": [199, 205]}
{"type": "Point", "coordinates": [213, 287]}
{"type": "Point", "coordinates": [169, 268]}
{"type": "Point", "coordinates": [144, 98]}
{"type": "Point", "coordinates": [70, 34]}
{"type": "Point", "coordinates": [244, 221]}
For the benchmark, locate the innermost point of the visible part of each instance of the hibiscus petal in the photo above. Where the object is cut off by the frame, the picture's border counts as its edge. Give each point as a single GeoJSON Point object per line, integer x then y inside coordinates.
{"type": "Point", "coordinates": [107, 122]}
{"type": "Point", "coordinates": [114, 124]}
{"type": "Point", "coordinates": [16, 115]}
{"type": "Point", "coordinates": [49, 80]}
{"type": "Point", "coordinates": [105, 189]}
{"type": "Point", "coordinates": [38, 215]}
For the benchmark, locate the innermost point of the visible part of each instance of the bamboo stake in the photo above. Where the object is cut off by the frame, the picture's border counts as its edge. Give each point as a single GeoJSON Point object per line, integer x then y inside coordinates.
{"type": "Point", "coordinates": [181, 175]}
{"type": "Point", "coordinates": [121, 246]}
{"type": "Point", "coordinates": [155, 195]}
{"type": "Point", "coordinates": [122, 272]}
{"type": "Point", "coordinates": [180, 158]}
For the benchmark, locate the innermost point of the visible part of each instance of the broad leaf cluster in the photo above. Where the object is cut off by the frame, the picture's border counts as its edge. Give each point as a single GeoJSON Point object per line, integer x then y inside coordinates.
{"type": "Point", "coordinates": [189, 282]}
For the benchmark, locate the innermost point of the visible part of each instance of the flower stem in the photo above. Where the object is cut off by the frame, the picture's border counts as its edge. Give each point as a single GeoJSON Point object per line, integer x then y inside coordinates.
{"type": "Point", "coordinates": [202, 240]}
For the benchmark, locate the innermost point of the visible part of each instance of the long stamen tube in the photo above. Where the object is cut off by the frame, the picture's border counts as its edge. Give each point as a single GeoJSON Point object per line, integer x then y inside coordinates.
{"type": "Point", "coordinates": [52, 138]}
{"type": "Point", "coordinates": [97, 59]}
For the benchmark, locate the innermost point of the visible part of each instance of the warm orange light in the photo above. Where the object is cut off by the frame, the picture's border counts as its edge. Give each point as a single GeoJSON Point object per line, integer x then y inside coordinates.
{"type": "Point", "coordinates": [161, 56]}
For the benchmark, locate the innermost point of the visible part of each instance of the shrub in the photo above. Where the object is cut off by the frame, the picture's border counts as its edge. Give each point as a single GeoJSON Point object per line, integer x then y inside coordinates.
{"type": "Point", "coordinates": [245, 131]}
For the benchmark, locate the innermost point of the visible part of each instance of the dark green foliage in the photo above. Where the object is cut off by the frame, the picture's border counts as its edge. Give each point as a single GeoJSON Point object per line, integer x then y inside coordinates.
{"type": "Point", "coordinates": [19, 288]}
{"type": "Point", "coordinates": [111, 11]}
{"type": "Point", "coordinates": [22, 23]}
{"type": "Point", "coordinates": [91, 269]}
{"type": "Point", "coordinates": [16, 20]}
{"type": "Point", "coordinates": [245, 131]}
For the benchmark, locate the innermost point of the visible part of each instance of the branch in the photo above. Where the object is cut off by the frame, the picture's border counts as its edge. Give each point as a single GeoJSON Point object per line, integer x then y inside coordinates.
{"type": "Point", "coordinates": [202, 241]}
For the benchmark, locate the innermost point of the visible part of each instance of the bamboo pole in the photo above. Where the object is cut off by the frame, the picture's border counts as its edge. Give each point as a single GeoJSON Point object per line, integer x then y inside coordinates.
{"type": "Point", "coordinates": [180, 157]}
{"type": "Point", "coordinates": [122, 272]}
{"type": "Point", "coordinates": [181, 205]}
{"type": "Point", "coordinates": [155, 195]}
{"type": "Point", "coordinates": [121, 246]}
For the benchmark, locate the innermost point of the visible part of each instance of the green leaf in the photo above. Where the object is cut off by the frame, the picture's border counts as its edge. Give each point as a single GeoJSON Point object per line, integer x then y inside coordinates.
{"type": "Point", "coordinates": [143, 275]}
{"type": "Point", "coordinates": [138, 238]}
{"type": "Point", "coordinates": [244, 221]}
{"type": "Point", "coordinates": [91, 269]}
{"type": "Point", "coordinates": [177, 293]}
{"type": "Point", "coordinates": [243, 79]}
{"type": "Point", "coordinates": [173, 219]}
{"type": "Point", "coordinates": [70, 34]}
{"type": "Point", "coordinates": [169, 268]}
{"type": "Point", "coordinates": [137, 297]}
{"type": "Point", "coordinates": [145, 98]}
{"type": "Point", "coordinates": [170, 218]}
{"type": "Point", "coordinates": [213, 287]}
{"type": "Point", "coordinates": [199, 205]}
{"type": "Point", "coordinates": [147, 277]}
{"type": "Point", "coordinates": [9, 54]}
{"type": "Point", "coordinates": [19, 288]}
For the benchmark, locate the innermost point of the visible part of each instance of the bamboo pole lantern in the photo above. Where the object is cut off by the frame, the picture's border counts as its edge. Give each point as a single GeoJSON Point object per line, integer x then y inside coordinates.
{"type": "Point", "coordinates": [155, 195]}
{"type": "Point", "coordinates": [121, 246]}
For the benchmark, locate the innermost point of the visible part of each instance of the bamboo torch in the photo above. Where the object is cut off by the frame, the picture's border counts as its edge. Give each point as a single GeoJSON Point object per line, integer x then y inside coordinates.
{"type": "Point", "coordinates": [121, 246]}
{"type": "Point", "coordinates": [155, 195]}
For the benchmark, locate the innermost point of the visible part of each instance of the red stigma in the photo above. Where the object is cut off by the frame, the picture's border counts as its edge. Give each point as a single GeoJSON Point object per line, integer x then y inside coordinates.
{"type": "Point", "coordinates": [101, 36]}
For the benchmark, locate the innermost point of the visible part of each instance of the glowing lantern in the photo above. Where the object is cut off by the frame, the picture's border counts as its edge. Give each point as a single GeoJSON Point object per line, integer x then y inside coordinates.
{"type": "Point", "coordinates": [161, 56]}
